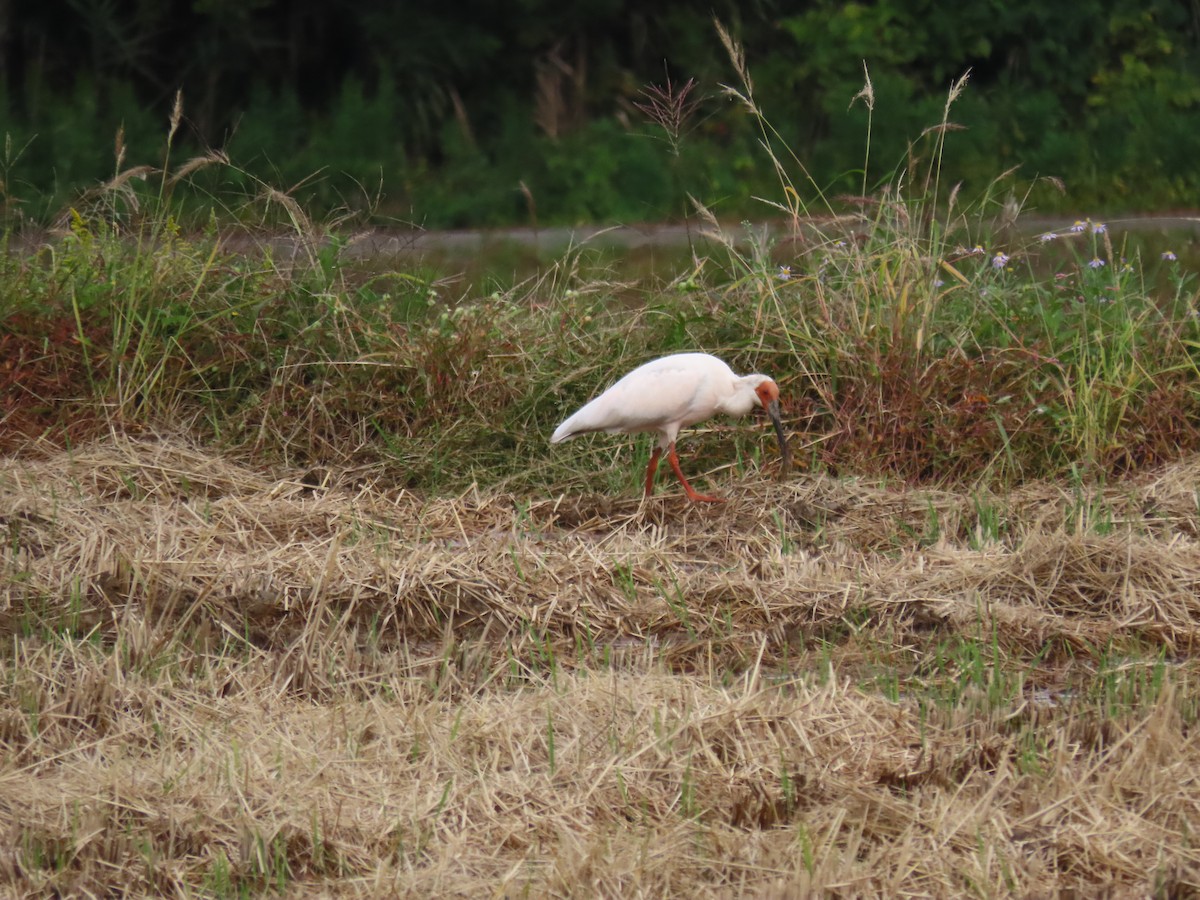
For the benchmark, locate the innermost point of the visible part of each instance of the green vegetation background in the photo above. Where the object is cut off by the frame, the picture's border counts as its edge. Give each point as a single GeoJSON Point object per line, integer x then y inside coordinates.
{"type": "Point", "coordinates": [479, 113]}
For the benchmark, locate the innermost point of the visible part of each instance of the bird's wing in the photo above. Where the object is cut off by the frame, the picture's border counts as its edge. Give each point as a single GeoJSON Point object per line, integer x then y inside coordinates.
{"type": "Point", "coordinates": [662, 396]}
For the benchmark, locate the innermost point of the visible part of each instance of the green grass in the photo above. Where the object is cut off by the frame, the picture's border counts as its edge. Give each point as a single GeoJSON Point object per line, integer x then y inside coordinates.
{"type": "Point", "coordinates": [894, 358]}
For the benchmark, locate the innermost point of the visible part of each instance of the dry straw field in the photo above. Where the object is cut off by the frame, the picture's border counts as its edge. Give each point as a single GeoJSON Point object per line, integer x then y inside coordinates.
{"type": "Point", "coordinates": [220, 680]}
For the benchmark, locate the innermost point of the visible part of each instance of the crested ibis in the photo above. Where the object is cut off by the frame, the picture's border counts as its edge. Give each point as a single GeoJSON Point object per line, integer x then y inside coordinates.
{"type": "Point", "coordinates": [668, 394]}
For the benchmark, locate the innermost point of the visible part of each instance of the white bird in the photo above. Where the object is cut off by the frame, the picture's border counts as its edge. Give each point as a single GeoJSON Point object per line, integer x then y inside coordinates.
{"type": "Point", "coordinates": [668, 394]}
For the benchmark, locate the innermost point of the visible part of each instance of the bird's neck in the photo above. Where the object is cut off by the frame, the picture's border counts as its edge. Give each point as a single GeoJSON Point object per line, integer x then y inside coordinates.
{"type": "Point", "coordinates": [740, 402]}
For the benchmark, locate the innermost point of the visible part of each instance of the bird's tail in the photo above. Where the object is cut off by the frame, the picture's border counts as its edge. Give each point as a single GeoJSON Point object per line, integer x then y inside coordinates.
{"type": "Point", "coordinates": [563, 432]}
{"type": "Point", "coordinates": [588, 419]}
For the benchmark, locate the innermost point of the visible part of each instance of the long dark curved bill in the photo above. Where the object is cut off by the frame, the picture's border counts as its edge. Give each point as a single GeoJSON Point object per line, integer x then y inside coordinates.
{"type": "Point", "coordinates": [785, 452]}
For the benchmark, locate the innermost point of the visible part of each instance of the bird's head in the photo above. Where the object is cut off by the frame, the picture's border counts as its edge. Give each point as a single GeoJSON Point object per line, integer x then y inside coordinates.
{"type": "Point", "coordinates": [767, 392]}
{"type": "Point", "coordinates": [766, 395]}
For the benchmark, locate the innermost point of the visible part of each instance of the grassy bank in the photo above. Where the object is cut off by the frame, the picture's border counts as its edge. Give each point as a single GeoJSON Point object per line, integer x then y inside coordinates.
{"type": "Point", "coordinates": [932, 351]}
{"type": "Point", "coordinates": [916, 333]}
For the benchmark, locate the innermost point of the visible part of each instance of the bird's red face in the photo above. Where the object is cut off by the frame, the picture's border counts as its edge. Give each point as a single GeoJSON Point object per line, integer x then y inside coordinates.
{"type": "Point", "coordinates": [768, 392]}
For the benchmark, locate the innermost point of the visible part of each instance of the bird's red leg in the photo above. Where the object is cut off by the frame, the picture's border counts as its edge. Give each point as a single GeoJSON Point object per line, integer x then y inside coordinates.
{"type": "Point", "coordinates": [673, 459]}
{"type": "Point", "coordinates": [651, 469]}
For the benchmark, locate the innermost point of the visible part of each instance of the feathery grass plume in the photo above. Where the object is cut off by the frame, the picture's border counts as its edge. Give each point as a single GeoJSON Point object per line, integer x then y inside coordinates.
{"type": "Point", "coordinates": [176, 117]}
{"type": "Point", "coordinates": [867, 95]}
{"type": "Point", "coordinates": [119, 148]}
{"type": "Point", "coordinates": [669, 107]}
{"type": "Point", "coordinates": [737, 56]}
{"type": "Point", "coordinates": [714, 232]}
{"type": "Point", "coordinates": [952, 199]}
{"type": "Point", "coordinates": [10, 204]}
{"type": "Point", "coordinates": [530, 203]}
{"type": "Point", "coordinates": [1055, 182]}
{"type": "Point", "coordinates": [167, 183]}
{"type": "Point", "coordinates": [956, 89]}
{"type": "Point", "coordinates": [197, 163]}
{"type": "Point", "coordinates": [302, 225]}
{"type": "Point", "coordinates": [113, 201]}
{"type": "Point", "coordinates": [769, 137]}
{"type": "Point", "coordinates": [867, 92]}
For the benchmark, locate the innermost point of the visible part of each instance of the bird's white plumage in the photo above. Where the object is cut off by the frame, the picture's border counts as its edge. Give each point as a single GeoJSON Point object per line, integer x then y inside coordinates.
{"type": "Point", "coordinates": [670, 393]}
{"type": "Point", "coordinates": [663, 396]}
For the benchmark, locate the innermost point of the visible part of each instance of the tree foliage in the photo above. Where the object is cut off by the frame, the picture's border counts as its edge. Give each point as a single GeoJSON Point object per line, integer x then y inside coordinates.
{"type": "Point", "coordinates": [485, 113]}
